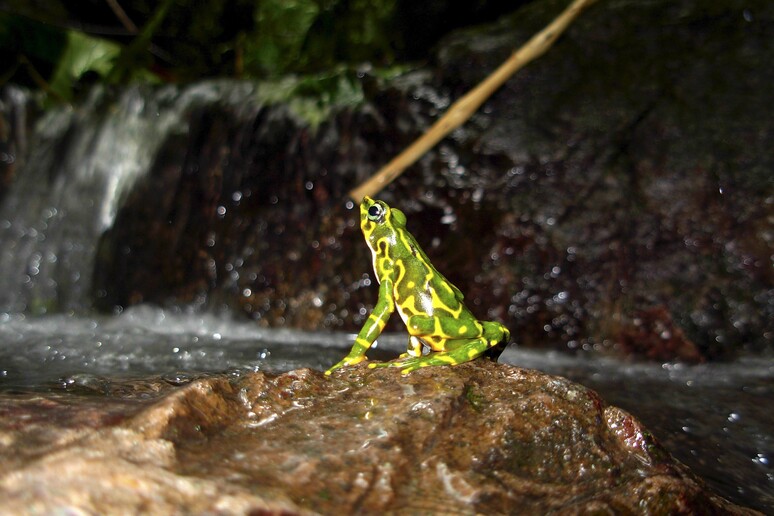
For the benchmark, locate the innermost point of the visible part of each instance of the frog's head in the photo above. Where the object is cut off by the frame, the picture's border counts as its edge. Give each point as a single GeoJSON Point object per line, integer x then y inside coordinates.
{"type": "Point", "coordinates": [378, 220]}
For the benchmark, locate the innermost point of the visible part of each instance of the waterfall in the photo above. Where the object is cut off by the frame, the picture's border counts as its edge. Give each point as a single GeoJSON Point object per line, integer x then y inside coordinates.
{"type": "Point", "coordinates": [67, 189]}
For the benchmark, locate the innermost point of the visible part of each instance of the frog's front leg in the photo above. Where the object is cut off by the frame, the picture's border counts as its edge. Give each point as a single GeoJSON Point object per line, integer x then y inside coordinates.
{"type": "Point", "coordinates": [372, 328]}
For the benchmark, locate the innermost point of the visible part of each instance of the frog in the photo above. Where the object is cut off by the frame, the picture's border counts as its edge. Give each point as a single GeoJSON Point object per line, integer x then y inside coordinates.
{"type": "Point", "coordinates": [431, 306]}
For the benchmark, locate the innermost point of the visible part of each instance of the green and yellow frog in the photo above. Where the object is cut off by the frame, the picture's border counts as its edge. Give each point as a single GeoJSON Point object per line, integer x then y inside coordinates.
{"type": "Point", "coordinates": [430, 306]}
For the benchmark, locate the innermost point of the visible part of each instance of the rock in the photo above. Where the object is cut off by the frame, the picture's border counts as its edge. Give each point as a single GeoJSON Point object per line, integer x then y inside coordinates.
{"type": "Point", "coordinates": [477, 438]}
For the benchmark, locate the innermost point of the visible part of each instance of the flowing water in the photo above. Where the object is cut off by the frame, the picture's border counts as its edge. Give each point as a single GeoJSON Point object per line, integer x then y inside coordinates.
{"type": "Point", "coordinates": [715, 418]}
{"type": "Point", "coordinates": [68, 189]}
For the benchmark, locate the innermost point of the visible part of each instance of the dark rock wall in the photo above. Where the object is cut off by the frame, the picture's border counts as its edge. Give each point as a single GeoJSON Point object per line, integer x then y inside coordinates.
{"type": "Point", "coordinates": [633, 162]}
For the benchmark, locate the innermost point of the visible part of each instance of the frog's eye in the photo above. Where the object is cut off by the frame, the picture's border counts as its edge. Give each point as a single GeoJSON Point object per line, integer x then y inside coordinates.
{"type": "Point", "coordinates": [375, 212]}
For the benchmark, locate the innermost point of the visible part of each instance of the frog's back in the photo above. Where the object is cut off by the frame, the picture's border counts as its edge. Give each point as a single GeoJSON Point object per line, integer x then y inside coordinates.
{"type": "Point", "coordinates": [423, 266]}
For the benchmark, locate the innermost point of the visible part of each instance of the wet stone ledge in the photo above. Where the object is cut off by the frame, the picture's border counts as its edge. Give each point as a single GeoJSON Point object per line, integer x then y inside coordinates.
{"type": "Point", "coordinates": [477, 438]}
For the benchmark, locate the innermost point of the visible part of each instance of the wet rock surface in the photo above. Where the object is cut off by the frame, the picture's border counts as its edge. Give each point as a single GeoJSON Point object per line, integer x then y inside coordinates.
{"type": "Point", "coordinates": [476, 438]}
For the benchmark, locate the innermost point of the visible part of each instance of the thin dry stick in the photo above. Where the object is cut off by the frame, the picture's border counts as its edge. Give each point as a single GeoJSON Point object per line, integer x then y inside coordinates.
{"type": "Point", "coordinates": [461, 110]}
{"type": "Point", "coordinates": [122, 16]}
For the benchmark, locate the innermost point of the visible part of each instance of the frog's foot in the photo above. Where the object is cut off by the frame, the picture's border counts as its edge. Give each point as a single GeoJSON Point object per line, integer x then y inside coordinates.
{"type": "Point", "coordinates": [403, 357]}
{"type": "Point", "coordinates": [347, 361]}
{"type": "Point", "coordinates": [459, 352]}
{"type": "Point", "coordinates": [497, 336]}
{"type": "Point", "coordinates": [408, 364]}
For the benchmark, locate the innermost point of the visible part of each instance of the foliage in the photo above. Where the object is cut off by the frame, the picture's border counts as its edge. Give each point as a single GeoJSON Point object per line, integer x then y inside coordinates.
{"type": "Point", "coordinates": [56, 61]}
{"type": "Point", "coordinates": [312, 96]}
{"type": "Point", "coordinates": [312, 45]}
{"type": "Point", "coordinates": [313, 35]}
{"type": "Point", "coordinates": [185, 39]}
{"type": "Point", "coordinates": [82, 56]}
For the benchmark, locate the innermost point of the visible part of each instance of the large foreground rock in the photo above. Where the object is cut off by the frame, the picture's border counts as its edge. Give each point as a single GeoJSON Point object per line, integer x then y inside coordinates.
{"type": "Point", "coordinates": [477, 438]}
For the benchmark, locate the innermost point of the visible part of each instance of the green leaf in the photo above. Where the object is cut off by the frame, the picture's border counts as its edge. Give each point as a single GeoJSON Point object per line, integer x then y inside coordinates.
{"type": "Point", "coordinates": [82, 54]}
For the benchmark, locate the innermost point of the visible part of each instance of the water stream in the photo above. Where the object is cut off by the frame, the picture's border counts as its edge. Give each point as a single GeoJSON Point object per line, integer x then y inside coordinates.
{"type": "Point", "coordinates": [81, 164]}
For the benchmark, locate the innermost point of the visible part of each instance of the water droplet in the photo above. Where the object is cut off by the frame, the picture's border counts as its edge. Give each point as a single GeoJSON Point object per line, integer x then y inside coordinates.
{"type": "Point", "coordinates": [448, 218]}
{"type": "Point", "coordinates": [178, 378]}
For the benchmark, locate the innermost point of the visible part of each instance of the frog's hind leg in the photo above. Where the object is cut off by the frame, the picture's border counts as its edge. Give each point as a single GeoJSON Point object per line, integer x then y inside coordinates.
{"type": "Point", "coordinates": [498, 336]}
{"type": "Point", "coordinates": [436, 330]}
{"type": "Point", "coordinates": [459, 351]}
{"type": "Point", "coordinates": [425, 331]}
{"type": "Point", "coordinates": [462, 351]}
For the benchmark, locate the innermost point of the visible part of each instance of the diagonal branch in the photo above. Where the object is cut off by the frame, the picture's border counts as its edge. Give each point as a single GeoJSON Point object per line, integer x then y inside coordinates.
{"type": "Point", "coordinates": [122, 16]}
{"type": "Point", "coordinates": [463, 109]}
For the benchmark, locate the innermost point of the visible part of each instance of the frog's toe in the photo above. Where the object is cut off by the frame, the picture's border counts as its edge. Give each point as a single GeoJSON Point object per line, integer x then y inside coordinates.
{"type": "Point", "coordinates": [401, 361]}
{"type": "Point", "coordinates": [374, 365]}
{"type": "Point", "coordinates": [411, 368]}
{"type": "Point", "coordinates": [349, 361]}
{"type": "Point", "coordinates": [407, 364]}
